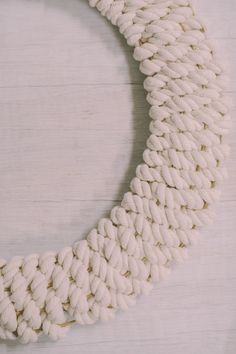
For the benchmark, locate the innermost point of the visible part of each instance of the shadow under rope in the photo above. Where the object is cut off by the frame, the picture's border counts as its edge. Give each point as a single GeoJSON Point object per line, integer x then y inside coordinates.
{"type": "Point", "coordinates": [76, 9]}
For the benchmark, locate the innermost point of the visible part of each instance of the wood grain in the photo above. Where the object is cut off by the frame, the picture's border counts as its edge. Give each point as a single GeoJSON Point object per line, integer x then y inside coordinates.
{"type": "Point", "coordinates": [74, 122]}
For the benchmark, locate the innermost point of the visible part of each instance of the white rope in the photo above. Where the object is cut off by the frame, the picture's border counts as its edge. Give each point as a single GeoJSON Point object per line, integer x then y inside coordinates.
{"type": "Point", "coordinates": [168, 199]}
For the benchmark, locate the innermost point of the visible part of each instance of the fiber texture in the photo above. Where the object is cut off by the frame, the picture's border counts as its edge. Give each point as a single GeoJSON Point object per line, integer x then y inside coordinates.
{"type": "Point", "coordinates": [168, 199]}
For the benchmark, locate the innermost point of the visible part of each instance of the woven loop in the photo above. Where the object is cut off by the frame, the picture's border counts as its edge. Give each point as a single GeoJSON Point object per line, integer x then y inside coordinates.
{"type": "Point", "coordinates": [169, 197]}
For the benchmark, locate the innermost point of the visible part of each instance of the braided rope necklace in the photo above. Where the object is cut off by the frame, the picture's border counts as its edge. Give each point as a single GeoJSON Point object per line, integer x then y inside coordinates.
{"type": "Point", "coordinates": [169, 197]}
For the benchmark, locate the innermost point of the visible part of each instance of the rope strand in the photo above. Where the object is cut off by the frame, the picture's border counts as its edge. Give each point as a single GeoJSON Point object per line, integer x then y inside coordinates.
{"type": "Point", "coordinates": [169, 197]}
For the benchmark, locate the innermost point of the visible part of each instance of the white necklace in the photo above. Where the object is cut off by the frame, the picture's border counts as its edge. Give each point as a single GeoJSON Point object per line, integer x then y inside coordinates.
{"type": "Point", "coordinates": [169, 197]}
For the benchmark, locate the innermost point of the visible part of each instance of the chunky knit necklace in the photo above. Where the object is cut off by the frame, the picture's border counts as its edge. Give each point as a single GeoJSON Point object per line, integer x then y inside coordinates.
{"type": "Point", "coordinates": [168, 199]}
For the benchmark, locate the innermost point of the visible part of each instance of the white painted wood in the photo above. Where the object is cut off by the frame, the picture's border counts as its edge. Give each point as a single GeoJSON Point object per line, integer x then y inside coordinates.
{"type": "Point", "coordinates": [67, 80]}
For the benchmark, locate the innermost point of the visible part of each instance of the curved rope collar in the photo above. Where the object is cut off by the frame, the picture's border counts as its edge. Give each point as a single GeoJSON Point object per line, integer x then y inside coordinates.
{"type": "Point", "coordinates": [168, 199]}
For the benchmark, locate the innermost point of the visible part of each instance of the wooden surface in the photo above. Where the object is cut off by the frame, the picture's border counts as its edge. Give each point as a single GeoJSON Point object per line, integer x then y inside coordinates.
{"type": "Point", "coordinates": [74, 122]}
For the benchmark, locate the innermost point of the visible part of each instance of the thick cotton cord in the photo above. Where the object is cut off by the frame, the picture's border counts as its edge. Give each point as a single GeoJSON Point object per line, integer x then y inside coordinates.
{"type": "Point", "coordinates": [169, 197]}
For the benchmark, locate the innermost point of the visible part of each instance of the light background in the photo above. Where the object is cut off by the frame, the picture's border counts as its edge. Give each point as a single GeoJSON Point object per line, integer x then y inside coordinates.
{"type": "Point", "coordinates": [73, 125]}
